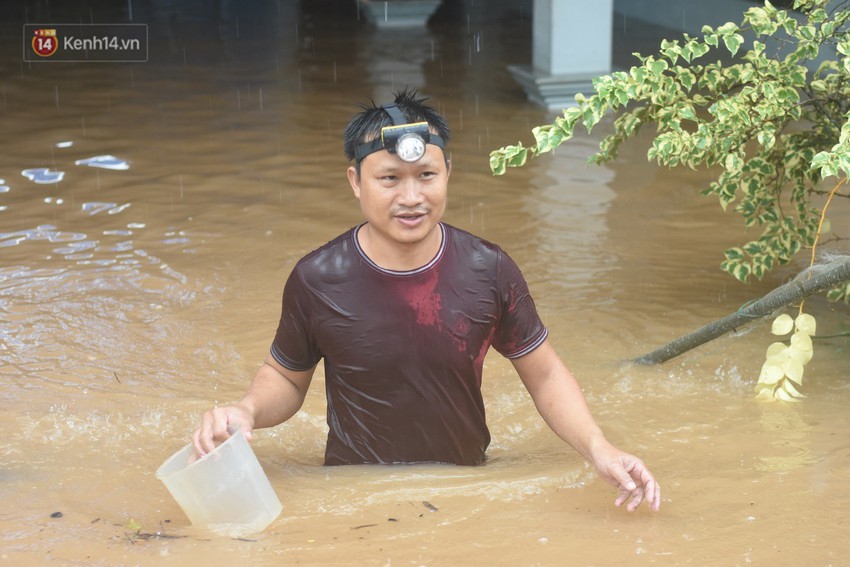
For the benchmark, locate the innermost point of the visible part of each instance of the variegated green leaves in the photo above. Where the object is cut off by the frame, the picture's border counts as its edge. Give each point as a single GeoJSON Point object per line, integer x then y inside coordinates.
{"type": "Point", "coordinates": [771, 124]}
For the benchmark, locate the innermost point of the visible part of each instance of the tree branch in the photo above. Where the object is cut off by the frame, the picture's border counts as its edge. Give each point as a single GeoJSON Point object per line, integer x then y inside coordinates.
{"type": "Point", "coordinates": [813, 280]}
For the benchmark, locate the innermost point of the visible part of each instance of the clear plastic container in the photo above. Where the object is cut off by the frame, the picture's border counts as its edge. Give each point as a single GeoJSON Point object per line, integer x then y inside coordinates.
{"type": "Point", "coordinates": [225, 491]}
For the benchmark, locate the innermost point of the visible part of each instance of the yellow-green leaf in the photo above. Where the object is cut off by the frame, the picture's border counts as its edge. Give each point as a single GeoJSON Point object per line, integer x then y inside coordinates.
{"type": "Point", "coordinates": [764, 392]}
{"type": "Point", "coordinates": [803, 356]}
{"type": "Point", "coordinates": [788, 386]}
{"type": "Point", "coordinates": [805, 323]}
{"type": "Point", "coordinates": [801, 341]}
{"type": "Point", "coordinates": [781, 394]}
{"type": "Point", "coordinates": [782, 325]}
{"type": "Point", "coordinates": [771, 373]}
{"type": "Point", "coordinates": [793, 368]}
{"type": "Point", "coordinates": [778, 351]}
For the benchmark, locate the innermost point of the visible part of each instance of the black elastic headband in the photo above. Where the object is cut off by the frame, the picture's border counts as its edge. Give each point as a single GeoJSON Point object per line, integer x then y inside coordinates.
{"type": "Point", "coordinates": [391, 134]}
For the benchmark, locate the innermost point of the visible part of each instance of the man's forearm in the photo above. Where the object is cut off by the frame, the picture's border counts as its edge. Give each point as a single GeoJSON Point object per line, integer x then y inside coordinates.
{"type": "Point", "coordinates": [559, 400]}
{"type": "Point", "coordinates": [272, 398]}
{"type": "Point", "coordinates": [562, 405]}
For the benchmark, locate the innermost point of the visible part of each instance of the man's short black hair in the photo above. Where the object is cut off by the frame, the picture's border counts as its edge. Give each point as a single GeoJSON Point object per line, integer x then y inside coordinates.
{"type": "Point", "coordinates": [366, 125]}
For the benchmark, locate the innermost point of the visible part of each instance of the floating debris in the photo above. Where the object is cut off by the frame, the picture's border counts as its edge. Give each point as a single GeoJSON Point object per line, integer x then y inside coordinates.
{"type": "Point", "coordinates": [104, 162]}
{"type": "Point", "coordinates": [147, 536]}
{"type": "Point", "coordinates": [43, 175]}
{"type": "Point", "coordinates": [67, 144]}
{"type": "Point", "coordinates": [56, 515]}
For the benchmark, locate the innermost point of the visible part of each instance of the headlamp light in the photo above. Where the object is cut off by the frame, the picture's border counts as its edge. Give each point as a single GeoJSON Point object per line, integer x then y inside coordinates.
{"type": "Point", "coordinates": [406, 140]}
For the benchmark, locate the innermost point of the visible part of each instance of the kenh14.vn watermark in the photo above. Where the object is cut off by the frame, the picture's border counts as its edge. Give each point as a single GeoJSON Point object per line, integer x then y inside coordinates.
{"type": "Point", "coordinates": [86, 42]}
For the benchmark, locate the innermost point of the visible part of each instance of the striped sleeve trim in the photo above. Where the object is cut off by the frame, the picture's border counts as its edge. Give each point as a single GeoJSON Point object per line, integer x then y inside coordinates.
{"type": "Point", "coordinates": [283, 361]}
{"type": "Point", "coordinates": [531, 346]}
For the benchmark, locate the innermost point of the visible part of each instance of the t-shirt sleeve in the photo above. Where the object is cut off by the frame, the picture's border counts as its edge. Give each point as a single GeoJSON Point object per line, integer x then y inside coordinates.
{"type": "Point", "coordinates": [294, 344]}
{"type": "Point", "coordinates": [520, 329]}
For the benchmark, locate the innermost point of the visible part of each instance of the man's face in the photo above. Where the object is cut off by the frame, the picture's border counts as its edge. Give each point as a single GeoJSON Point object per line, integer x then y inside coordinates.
{"type": "Point", "coordinates": [402, 202]}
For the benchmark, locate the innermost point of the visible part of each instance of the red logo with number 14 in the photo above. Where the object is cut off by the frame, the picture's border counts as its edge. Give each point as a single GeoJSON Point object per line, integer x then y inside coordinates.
{"type": "Point", "coordinates": [45, 42]}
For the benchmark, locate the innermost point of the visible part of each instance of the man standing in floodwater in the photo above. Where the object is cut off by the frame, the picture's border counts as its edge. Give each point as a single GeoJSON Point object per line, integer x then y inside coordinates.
{"type": "Point", "coordinates": [402, 309]}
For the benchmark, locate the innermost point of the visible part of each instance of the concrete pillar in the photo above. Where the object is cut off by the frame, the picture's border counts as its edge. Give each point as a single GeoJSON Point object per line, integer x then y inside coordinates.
{"type": "Point", "coordinates": [571, 45]}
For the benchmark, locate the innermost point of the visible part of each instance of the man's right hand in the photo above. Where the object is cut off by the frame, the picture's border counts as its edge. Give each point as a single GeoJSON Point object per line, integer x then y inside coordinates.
{"type": "Point", "coordinates": [218, 424]}
{"type": "Point", "coordinates": [274, 396]}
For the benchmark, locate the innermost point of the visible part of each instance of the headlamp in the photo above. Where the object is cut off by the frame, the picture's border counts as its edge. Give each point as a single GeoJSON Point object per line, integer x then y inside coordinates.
{"type": "Point", "coordinates": [406, 140]}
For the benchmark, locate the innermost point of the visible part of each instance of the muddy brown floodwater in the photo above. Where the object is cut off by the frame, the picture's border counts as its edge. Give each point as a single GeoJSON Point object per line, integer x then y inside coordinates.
{"type": "Point", "coordinates": [132, 300]}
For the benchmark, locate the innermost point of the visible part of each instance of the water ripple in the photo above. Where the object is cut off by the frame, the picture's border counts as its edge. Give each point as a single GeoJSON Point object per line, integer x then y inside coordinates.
{"type": "Point", "coordinates": [43, 232]}
{"type": "Point", "coordinates": [104, 162]}
{"type": "Point", "coordinates": [43, 175]}
{"type": "Point", "coordinates": [97, 207]}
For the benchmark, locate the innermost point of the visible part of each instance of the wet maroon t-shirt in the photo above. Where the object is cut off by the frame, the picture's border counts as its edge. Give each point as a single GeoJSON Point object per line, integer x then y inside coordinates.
{"type": "Point", "coordinates": [404, 351]}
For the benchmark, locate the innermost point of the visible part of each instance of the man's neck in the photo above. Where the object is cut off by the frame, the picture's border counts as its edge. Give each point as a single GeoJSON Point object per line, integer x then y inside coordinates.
{"type": "Point", "coordinates": [399, 256]}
